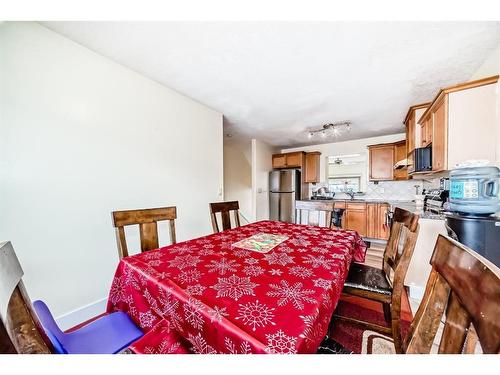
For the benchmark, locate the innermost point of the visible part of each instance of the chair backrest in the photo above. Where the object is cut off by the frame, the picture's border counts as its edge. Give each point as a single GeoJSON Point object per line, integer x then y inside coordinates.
{"type": "Point", "coordinates": [224, 208]}
{"type": "Point", "coordinates": [467, 287]}
{"type": "Point", "coordinates": [147, 220]}
{"type": "Point", "coordinates": [21, 331]}
{"type": "Point", "coordinates": [308, 212]}
{"type": "Point", "coordinates": [397, 257]}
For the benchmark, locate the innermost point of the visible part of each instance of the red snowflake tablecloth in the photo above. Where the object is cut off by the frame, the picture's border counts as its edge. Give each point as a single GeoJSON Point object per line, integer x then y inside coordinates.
{"type": "Point", "coordinates": [221, 299]}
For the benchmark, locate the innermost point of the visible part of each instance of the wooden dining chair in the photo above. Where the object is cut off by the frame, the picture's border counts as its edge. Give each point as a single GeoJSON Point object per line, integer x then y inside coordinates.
{"type": "Point", "coordinates": [464, 287]}
{"type": "Point", "coordinates": [224, 208]}
{"type": "Point", "coordinates": [147, 219]}
{"type": "Point", "coordinates": [21, 331]}
{"type": "Point", "coordinates": [309, 212]}
{"type": "Point", "coordinates": [386, 285]}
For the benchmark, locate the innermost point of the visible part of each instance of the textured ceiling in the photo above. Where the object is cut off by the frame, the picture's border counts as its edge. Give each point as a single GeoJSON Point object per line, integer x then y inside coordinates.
{"type": "Point", "coordinates": [274, 80]}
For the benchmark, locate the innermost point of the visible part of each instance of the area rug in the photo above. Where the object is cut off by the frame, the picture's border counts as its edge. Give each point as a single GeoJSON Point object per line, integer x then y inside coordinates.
{"type": "Point", "coordinates": [362, 341]}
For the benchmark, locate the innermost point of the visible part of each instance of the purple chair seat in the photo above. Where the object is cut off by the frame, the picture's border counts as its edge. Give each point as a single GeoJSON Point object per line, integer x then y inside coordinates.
{"type": "Point", "coordinates": [107, 335]}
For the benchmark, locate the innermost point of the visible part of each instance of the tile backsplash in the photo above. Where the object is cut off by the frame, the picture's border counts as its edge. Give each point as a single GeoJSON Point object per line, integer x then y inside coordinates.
{"type": "Point", "coordinates": [389, 190]}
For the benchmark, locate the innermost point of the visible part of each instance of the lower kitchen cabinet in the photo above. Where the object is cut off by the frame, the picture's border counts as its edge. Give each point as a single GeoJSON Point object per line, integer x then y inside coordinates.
{"type": "Point", "coordinates": [368, 219]}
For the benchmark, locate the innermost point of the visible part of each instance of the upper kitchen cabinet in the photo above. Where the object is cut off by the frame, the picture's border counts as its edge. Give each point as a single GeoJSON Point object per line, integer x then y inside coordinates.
{"type": "Point", "coordinates": [460, 124]}
{"type": "Point", "coordinates": [289, 160]}
{"type": "Point", "coordinates": [312, 167]}
{"type": "Point", "coordinates": [381, 162]}
{"type": "Point", "coordinates": [400, 155]}
{"type": "Point", "coordinates": [413, 128]}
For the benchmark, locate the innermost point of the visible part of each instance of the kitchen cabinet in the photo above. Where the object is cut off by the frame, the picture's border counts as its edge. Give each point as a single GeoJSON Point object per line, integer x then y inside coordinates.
{"type": "Point", "coordinates": [312, 172]}
{"type": "Point", "coordinates": [460, 123]}
{"type": "Point", "coordinates": [413, 128]}
{"type": "Point", "coordinates": [381, 162]}
{"type": "Point", "coordinates": [355, 218]}
{"type": "Point", "coordinates": [376, 221]}
{"type": "Point", "coordinates": [288, 160]}
{"type": "Point", "coordinates": [400, 154]}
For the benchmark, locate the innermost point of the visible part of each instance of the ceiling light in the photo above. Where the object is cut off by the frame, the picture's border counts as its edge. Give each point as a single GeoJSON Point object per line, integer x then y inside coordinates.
{"type": "Point", "coordinates": [334, 130]}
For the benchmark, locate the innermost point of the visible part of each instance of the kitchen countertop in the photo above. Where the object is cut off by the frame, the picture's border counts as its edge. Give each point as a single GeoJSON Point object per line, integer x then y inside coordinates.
{"type": "Point", "coordinates": [403, 204]}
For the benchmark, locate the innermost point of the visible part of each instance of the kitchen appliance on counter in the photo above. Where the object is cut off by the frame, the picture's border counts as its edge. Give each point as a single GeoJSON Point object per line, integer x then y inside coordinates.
{"type": "Point", "coordinates": [435, 199]}
{"type": "Point", "coordinates": [284, 190]}
{"type": "Point", "coordinates": [420, 160]}
{"type": "Point", "coordinates": [474, 200]}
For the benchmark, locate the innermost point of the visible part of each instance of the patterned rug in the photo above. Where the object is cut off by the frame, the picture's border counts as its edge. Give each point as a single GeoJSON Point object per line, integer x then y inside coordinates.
{"type": "Point", "coordinates": [355, 338]}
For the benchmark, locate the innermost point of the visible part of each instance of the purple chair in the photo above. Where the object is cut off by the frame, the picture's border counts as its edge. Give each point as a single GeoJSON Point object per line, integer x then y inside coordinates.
{"type": "Point", "coordinates": [107, 335]}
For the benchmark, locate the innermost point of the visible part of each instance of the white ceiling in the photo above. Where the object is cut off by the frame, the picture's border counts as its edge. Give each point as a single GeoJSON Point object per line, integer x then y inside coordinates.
{"type": "Point", "coordinates": [274, 80]}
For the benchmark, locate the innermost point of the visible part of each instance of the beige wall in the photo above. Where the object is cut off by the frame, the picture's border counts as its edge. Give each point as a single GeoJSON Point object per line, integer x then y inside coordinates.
{"type": "Point", "coordinates": [261, 166]}
{"type": "Point", "coordinates": [81, 136]}
{"type": "Point", "coordinates": [489, 68]}
{"type": "Point", "coordinates": [238, 176]}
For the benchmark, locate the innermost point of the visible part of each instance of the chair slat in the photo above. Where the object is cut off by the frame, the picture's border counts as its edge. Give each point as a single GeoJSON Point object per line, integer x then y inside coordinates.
{"type": "Point", "coordinates": [311, 212]}
{"type": "Point", "coordinates": [455, 329]}
{"type": "Point", "coordinates": [149, 236]}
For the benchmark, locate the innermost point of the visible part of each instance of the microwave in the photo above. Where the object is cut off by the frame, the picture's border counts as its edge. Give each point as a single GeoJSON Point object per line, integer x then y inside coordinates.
{"type": "Point", "coordinates": [420, 160]}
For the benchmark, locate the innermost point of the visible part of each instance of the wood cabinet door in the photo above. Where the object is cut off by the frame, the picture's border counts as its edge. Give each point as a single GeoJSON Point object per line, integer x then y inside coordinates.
{"type": "Point", "coordinates": [382, 224]}
{"type": "Point", "coordinates": [440, 136]}
{"type": "Point", "coordinates": [382, 162]}
{"type": "Point", "coordinates": [400, 154]}
{"type": "Point", "coordinates": [279, 161]}
{"type": "Point", "coordinates": [410, 133]}
{"type": "Point", "coordinates": [371, 220]}
{"type": "Point", "coordinates": [294, 159]}
{"type": "Point", "coordinates": [356, 220]}
{"type": "Point", "coordinates": [312, 167]}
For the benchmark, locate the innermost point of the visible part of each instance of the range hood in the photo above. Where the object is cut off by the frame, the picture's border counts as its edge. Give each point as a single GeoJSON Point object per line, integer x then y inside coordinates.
{"type": "Point", "coordinates": [401, 164]}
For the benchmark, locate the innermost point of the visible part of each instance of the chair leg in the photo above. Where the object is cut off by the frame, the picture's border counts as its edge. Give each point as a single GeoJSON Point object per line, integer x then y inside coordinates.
{"type": "Point", "coordinates": [387, 312]}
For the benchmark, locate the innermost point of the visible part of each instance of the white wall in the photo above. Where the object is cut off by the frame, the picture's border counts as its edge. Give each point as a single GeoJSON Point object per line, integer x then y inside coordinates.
{"type": "Point", "coordinates": [261, 166]}
{"type": "Point", "coordinates": [238, 176]}
{"type": "Point", "coordinates": [489, 68]}
{"type": "Point", "coordinates": [81, 136]}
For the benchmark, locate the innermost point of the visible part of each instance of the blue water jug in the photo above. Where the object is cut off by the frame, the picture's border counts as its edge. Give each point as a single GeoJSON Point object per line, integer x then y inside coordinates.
{"type": "Point", "coordinates": [475, 190]}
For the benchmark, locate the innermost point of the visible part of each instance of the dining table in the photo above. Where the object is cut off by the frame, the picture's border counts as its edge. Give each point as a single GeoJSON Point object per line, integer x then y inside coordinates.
{"type": "Point", "coordinates": [209, 295]}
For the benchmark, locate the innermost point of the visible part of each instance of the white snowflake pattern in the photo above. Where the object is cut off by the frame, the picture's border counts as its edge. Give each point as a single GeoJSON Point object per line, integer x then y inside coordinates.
{"type": "Point", "coordinates": [189, 276]}
{"type": "Point", "coordinates": [146, 319]}
{"type": "Point", "coordinates": [185, 261]}
{"type": "Point", "coordinates": [318, 249]}
{"type": "Point", "coordinates": [192, 313]}
{"type": "Point", "coordinates": [181, 249]}
{"type": "Point", "coordinates": [200, 346]}
{"type": "Point", "coordinates": [301, 272]}
{"type": "Point", "coordinates": [234, 287]}
{"type": "Point", "coordinates": [281, 259]}
{"type": "Point", "coordinates": [118, 290]}
{"type": "Point", "coordinates": [222, 266]}
{"type": "Point", "coordinates": [165, 306]}
{"type": "Point", "coordinates": [154, 262]}
{"type": "Point", "coordinates": [231, 348]}
{"type": "Point", "coordinates": [150, 255]}
{"type": "Point", "coordinates": [217, 313]}
{"type": "Point", "coordinates": [251, 261]}
{"type": "Point", "coordinates": [206, 252]}
{"type": "Point", "coordinates": [279, 343]}
{"type": "Point", "coordinates": [255, 314]}
{"type": "Point", "coordinates": [318, 261]}
{"type": "Point", "coordinates": [313, 332]}
{"type": "Point", "coordinates": [322, 283]}
{"type": "Point", "coordinates": [275, 272]}
{"type": "Point", "coordinates": [291, 293]}
{"type": "Point", "coordinates": [195, 290]}
{"type": "Point", "coordinates": [241, 253]}
{"type": "Point", "coordinates": [253, 270]}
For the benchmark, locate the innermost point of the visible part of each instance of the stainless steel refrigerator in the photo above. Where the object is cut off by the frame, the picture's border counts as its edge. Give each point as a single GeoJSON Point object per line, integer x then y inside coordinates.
{"type": "Point", "coordinates": [284, 190]}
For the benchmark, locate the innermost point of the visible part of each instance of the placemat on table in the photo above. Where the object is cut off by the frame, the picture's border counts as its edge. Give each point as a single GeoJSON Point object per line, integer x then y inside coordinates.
{"type": "Point", "coordinates": [261, 242]}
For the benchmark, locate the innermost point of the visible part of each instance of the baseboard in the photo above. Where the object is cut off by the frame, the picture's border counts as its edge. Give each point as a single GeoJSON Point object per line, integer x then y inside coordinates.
{"type": "Point", "coordinates": [81, 314]}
